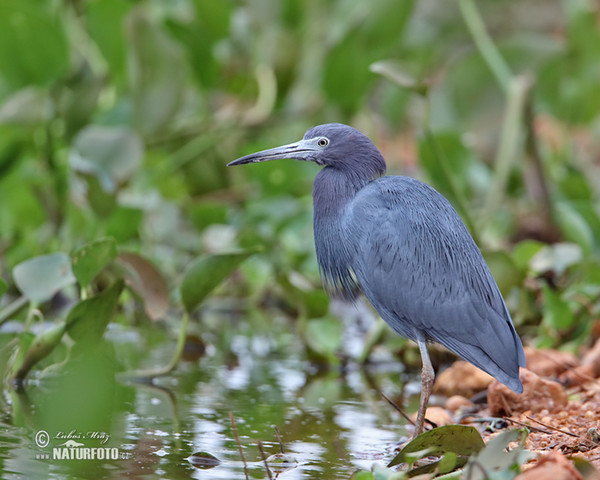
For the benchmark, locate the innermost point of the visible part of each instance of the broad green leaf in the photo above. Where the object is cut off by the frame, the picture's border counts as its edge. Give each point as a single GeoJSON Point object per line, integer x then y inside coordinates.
{"type": "Point", "coordinates": [205, 273]}
{"type": "Point", "coordinates": [496, 457]}
{"type": "Point", "coordinates": [111, 154]}
{"type": "Point", "coordinates": [447, 162]}
{"type": "Point", "coordinates": [459, 439]}
{"type": "Point", "coordinates": [156, 73]}
{"type": "Point", "coordinates": [25, 339]}
{"type": "Point", "coordinates": [33, 43]}
{"type": "Point", "coordinates": [3, 287]}
{"type": "Point", "coordinates": [574, 226]}
{"type": "Point", "coordinates": [324, 335]}
{"type": "Point", "coordinates": [89, 260]}
{"type": "Point", "coordinates": [556, 309]}
{"type": "Point", "coordinates": [148, 282]}
{"type": "Point", "coordinates": [505, 271]}
{"type": "Point", "coordinates": [88, 319]}
{"type": "Point", "coordinates": [524, 251]}
{"type": "Point", "coordinates": [41, 346]}
{"type": "Point", "coordinates": [40, 278]}
{"type": "Point", "coordinates": [105, 21]}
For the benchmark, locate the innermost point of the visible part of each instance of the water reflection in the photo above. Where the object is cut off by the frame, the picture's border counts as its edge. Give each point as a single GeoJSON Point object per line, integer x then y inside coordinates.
{"type": "Point", "coordinates": [331, 424]}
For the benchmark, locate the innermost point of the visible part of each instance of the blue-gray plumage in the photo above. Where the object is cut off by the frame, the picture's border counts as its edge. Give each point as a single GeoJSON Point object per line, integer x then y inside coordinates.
{"type": "Point", "coordinates": [402, 244]}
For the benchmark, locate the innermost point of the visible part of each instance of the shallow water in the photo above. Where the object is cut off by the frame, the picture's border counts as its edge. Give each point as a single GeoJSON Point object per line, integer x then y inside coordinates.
{"type": "Point", "coordinates": [331, 424]}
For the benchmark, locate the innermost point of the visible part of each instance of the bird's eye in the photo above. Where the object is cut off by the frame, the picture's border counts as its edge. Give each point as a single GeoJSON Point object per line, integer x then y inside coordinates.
{"type": "Point", "coordinates": [322, 142]}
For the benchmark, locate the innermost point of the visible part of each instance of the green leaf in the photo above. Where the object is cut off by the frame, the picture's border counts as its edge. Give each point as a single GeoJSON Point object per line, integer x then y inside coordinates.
{"type": "Point", "coordinates": [41, 346]}
{"type": "Point", "coordinates": [207, 272]}
{"type": "Point", "coordinates": [3, 287]}
{"type": "Point", "coordinates": [88, 319]}
{"type": "Point", "coordinates": [104, 22]}
{"type": "Point", "coordinates": [447, 463]}
{"type": "Point", "coordinates": [505, 271]}
{"type": "Point", "coordinates": [495, 456]}
{"type": "Point", "coordinates": [459, 439]}
{"type": "Point", "coordinates": [524, 251]}
{"type": "Point", "coordinates": [574, 226]}
{"type": "Point", "coordinates": [33, 43]}
{"type": "Point", "coordinates": [148, 282]}
{"type": "Point", "coordinates": [40, 278]}
{"type": "Point", "coordinates": [89, 260]}
{"type": "Point", "coordinates": [324, 335]}
{"type": "Point", "coordinates": [362, 475]}
{"type": "Point", "coordinates": [111, 154]}
{"type": "Point", "coordinates": [556, 309]}
{"type": "Point", "coordinates": [156, 73]}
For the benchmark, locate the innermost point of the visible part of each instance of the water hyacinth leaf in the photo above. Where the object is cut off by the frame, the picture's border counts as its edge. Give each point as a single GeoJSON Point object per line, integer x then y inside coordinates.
{"type": "Point", "coordinates": [574, 226]}
{"type": "Point", "coordinates": [156, 73]}
{"type": "Point", "coordinates": [88, 319]}
{"type": "Point", "coordinates": [324, 335]}
{"type": "Point", "coordinates": [207, 272]}
{"type": "Point", "coordinates": [104, 20]}
{"type": "Point", "coordinates": [148, 282]}
{"type": "Point", "coordinates": [89, 260]}
{"type": "Point", "coordinates": [40, 278]}
{"type": "Point", "coordinates": [204, 460]}
{"type": "Point", "coordinates": [25, 26]}
{"type": "Point", "coordinates": [362, 475]}
{"type": "Point", "coordinates": [524, 252]}
{"type": "Point", "coordinates": [460, 439]}
{"type": "Point", "coordinates": [497, 457]}
{"type": "Point", "coordinates": [39, 348]}
{"type": "Point", "coordinates": [505, 271]}
{"type": "Point", "coordinates": [556, 309]}
{"type": "Point", "coordinates": [111, 154]}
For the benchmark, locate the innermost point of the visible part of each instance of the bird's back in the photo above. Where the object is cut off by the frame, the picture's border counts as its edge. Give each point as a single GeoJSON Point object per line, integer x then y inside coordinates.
{"type": "Point", "coordinates": [420, 268]}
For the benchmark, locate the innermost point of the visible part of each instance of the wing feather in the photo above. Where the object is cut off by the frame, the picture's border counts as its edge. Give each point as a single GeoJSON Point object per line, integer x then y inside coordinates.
{"type": "Point", "coordinates": [420, 268]}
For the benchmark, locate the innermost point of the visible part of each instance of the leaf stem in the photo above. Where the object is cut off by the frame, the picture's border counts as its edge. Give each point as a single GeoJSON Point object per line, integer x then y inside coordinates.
{"type": "Point", "coordinates": [165, 370]}
{"type": "Point", "coordinates": [484, 43]}
{"type": "Point", "coordinates": [12, 308]}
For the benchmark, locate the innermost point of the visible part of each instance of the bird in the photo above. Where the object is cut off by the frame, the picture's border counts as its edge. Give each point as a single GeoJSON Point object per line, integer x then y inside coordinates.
{"type": "Point", "coordinates": [400, 242]}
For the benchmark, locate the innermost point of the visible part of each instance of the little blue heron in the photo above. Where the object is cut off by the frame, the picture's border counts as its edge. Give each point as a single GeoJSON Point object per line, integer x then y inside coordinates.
{"type": "Point", "coordinates": [402, 244]}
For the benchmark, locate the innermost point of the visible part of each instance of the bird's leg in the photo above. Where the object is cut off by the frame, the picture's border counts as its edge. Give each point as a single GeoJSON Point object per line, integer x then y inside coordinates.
{"type": "Point", "coordinates": [427, 378]}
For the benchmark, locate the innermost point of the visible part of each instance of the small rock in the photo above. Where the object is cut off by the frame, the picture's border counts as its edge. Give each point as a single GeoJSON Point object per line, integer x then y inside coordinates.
{"type": "Point", "coordinates": [538, 394]}
{"type": "Point", "coordinates": [553, 466]}
{"type": "Point", "coordinates": [457, 402]}
{"type": "Point", "coordinates": [461, 378]}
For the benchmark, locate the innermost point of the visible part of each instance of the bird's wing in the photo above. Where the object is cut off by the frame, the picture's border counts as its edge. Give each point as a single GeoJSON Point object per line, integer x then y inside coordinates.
{"type": "Point", "coordinates": [420, 268]}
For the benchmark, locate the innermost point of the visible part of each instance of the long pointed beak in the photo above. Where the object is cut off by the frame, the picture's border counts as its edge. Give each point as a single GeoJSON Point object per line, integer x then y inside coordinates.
{"type": "Point", "coordinates": [305, 150]}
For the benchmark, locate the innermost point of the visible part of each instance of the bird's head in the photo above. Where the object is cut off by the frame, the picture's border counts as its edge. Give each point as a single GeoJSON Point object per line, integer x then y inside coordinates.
{"type": "Point", "coordinates": [332, 145]}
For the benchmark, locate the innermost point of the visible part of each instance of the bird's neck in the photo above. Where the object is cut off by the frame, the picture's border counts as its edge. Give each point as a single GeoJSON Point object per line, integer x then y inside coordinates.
{"type": "Point", "coordinates": [333, 191]}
